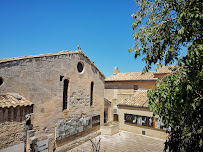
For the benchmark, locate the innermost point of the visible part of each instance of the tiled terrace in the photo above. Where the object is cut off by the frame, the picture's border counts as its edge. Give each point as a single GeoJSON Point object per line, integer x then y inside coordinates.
{"type": "Point", "coordinates": [124, 142]}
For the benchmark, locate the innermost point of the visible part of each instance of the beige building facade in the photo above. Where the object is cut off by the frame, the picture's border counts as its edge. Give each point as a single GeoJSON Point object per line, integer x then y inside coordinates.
{"type": "Point", "coordinates": [127, 93]}
{"type": "Point", "coordinates": [121, 86]}
{"type": "Point", "coordinates": [66, 89]}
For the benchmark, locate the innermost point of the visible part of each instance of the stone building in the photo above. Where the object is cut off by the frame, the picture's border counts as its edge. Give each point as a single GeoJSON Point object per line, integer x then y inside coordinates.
{"type": "Point", "coordinates": [127, 93]}
{"type": "Point", "coordinates": [13, 109]}
{"type": "Point", "coordinates": [67, 91]}
{"type": "Point", "coordinates": [120, 86]}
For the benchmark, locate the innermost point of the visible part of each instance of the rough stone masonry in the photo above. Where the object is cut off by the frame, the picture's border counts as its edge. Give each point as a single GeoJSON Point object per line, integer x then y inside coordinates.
{"type": "Point", "coordinates": [62, 86]}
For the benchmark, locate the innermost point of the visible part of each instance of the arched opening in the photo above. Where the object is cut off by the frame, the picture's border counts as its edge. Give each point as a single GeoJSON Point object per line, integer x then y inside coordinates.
{"type": "Point", "coordinates": [65, 94]}
{"type": "Point", "coordinates": [1, 81]}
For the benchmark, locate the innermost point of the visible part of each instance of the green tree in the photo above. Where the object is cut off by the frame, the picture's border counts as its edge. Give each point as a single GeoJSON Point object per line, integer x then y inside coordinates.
{"type": "Point", "coordinates": [162, 28]}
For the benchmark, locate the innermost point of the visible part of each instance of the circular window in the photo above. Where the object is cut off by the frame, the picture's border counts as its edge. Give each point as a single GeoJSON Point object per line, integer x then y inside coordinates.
{"type": "Point", "coordinates": [1, 81]}
{"type": "Point", "coordinates": [80, 67]}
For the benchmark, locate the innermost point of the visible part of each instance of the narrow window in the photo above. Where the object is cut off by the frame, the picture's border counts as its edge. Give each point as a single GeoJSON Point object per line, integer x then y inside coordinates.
{"type": "Point", "coordinates": [135, 87]}
{"type": "Point", "coordinates": [61, 78]}
{"type": "Point", "coordinates": [65, 94]}
{"type": "Point", "coordinates": [91, 93]}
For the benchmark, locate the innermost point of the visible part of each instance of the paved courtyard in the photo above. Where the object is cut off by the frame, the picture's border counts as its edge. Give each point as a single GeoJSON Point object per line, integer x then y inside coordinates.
{"type": "Point", "coordinates": [124, 142]}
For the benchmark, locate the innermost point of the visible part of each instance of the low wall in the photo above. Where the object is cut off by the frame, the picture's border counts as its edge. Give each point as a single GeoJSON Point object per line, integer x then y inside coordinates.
{"type": "Point", "coordinates": [140, 129]}
{"type": "Point", "coordinates": [143, 130]}
{"type": "Point", "coordinates": [110, 128]}
{"type": "Point", "coordinates": [16, 148]}
{"type": "Point", "coordinates": [70, 142]}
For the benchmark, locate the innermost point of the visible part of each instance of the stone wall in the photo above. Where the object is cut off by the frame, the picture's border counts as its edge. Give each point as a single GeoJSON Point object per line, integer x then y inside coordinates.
{"type": "Point", "coordinates": [14, 113]}
{"type": "Point", "coordinates": [41, 80]}
{"type": "Point", "coordinates": [72, 127]}
{"type": "Point", "coordinates": [78, 139]}
{"type": "Point", "coordinates": [11, 133]}
{"type": "Point", "coordinates": [12, 125]}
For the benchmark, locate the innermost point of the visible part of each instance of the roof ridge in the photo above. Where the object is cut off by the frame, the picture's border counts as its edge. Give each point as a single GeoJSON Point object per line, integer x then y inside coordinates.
{"type": "Point", "coordinates": [51, 54]}
{"type": "Point", "coordinates": [39, 55]}
{"type": "Point", "coordinates": [132, 76]}
{"type": "Point", "coordinates": [138, 72]}
{"type": "Point", "coordinates": [145, 102]}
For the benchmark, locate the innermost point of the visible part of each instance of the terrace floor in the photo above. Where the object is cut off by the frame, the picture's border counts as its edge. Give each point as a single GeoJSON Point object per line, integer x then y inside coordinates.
{"type": "Point", "coordinates": [124, 142]}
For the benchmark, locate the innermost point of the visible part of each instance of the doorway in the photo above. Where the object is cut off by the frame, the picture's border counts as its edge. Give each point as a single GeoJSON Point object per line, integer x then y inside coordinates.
{"type": "Point", "coordinates": [115, 117]}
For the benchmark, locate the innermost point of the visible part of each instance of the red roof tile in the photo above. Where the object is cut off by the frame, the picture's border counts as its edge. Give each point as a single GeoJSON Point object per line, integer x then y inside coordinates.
{"type": "Point", "coordinates": [13, 100]}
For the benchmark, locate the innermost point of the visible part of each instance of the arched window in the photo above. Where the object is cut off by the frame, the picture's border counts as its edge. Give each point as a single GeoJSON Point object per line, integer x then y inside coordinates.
{"type": "Point", "coordinates": [65, 94]}
{"type": "Point", "coordinates": [1, 81]}
{"type": "Point", "coordinates": [91, 93]}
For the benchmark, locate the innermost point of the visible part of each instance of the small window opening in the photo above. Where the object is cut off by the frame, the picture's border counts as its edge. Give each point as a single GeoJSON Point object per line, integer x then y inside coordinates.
{"type": "Point", "coordinates": [91, 93]}
{"type": "Point", "coordinates": [28, 122]}
{"type": "Point", "coordinates": [65, 94]}
{"type": "Point", "coordinates": [61, 78]}
{"type": "Point", "coordinates": [1, 81]}
{"type": "Point", "coordinates": [80, 67]}
{"type": "Point", "coordinates": [135, 87]}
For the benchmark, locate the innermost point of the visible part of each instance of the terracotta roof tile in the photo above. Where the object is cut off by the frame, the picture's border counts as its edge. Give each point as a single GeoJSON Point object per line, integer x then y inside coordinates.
{"type": "Point", "coordinates": [13, 100]}
{"type": "Point", "coordinates": [139, 99]}
{"type": "Point", "coordinates": [166, 69]}
{"type": "Point", "coordinates": [132, 76]}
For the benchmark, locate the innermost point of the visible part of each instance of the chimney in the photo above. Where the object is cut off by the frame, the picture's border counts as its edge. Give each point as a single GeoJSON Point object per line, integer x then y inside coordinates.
{"type": "Point", "coordinates": [116, 71]}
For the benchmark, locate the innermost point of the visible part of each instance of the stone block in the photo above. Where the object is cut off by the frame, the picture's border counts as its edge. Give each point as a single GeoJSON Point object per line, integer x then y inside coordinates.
{"type": "Point", "coordinates": [32, 140]}
{"type": "Point", "coordinates": [30, 133]}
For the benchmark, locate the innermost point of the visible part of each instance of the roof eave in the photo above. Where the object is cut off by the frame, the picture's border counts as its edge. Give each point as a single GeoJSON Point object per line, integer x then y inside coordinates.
{"type": "Point", "coordinates": [162, 73]}
{"type": "Point", "coordinates": [130, 80]}
{"type": "Point", "coordinates": [16, 106]}
{"type": "Point", "coordinates": [132, 106]}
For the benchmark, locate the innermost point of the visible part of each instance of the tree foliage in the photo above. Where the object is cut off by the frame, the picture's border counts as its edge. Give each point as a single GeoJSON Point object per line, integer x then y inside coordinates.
{"type": "Point", "coordinates": [169, 25]}
{"type": "Point", "coordinates": [162, 28]}
{"type": "Point", "coordinates": [178, 99]}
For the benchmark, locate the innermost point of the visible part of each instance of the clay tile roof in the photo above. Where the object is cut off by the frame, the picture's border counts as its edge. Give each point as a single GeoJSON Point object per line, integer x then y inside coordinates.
{"type": "Point", "coordinates": [132, 76]}
{"type": "Point", "coordinates": [166, 69]}
{"type": "Point", "coordinates": [139, 99]}
{"type": "Point", "coordinates": [13, 100]}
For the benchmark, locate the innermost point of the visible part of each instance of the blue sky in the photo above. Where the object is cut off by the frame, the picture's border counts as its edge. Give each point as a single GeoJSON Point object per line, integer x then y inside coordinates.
{"type": "Point", "coordinates": [101, 27]}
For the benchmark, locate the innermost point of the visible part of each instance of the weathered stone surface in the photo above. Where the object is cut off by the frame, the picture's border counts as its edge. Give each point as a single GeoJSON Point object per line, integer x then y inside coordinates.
{"type": "Point", "coordinates": [16, 148]}
{"type": "Point", "coordinates": [11, 133]}
{"type": "Point", "coordinates": [38, 80]}
{"type": "Point", "coordinates": [77, 142]}
{"type": "Point", "coordinates": [66, 128]}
